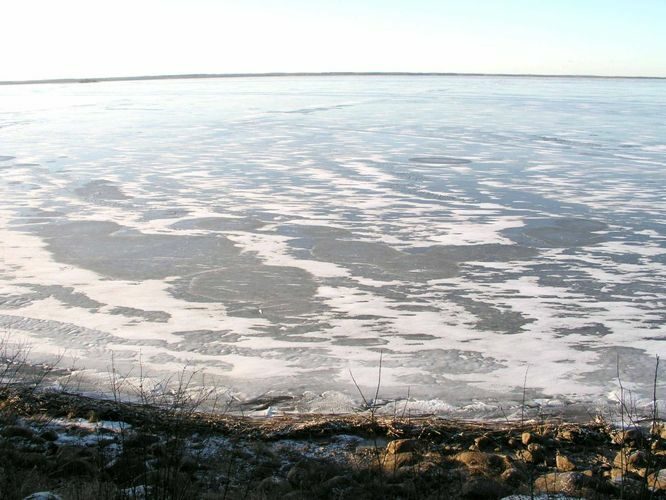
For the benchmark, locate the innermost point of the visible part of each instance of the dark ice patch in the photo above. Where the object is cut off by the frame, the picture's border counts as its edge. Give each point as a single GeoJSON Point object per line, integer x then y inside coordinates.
{"type": "Point", "coordinates": [219, 224]}
{"type": "Point", "coordinates": [358, 342]}
{"type": "Point", "coordinates": [16, 301]}
{"type": "Point", "coordinates": [592, 330]}
{"type": "Point", "coordinates": [7, 158]}
{"type": "Point", "coordinates": [164, 213]}
{"type": "Point", "coordinates": [439, 160]}
{"type": "Point", "coordinates": [355, 252]}
{"type": "Point", "coordinates": [557, 233]}
{"type": "Point", "coordinates": [271, 292]}
{"type": "Point", "coordinates": [312, 232]}
{"type": "Point", "coordinates": [209, 335]}
{"type": "Point", "coordinates": [416, 336]}
{"type": "Point", "coordinates": [477, 253]}
{"type": "Point", "coordinates": [131, 312]}
{"type": "Point", "coordinates": [65, 295]}
{"type": "Point", "coordinates": [442, 361]}
{"type": "Point", "coordinates": [637, 367]}
{"type": "Point", "coordinates": [63, 334]}
{"type": "Point", "coordinates": [118, 252]}
{"type": "Point", "coordinates": [101, 190]}
{"type": "Point", "coordinates": [380, 261]}
{"type": "Point", "coordinates": [492, 318]}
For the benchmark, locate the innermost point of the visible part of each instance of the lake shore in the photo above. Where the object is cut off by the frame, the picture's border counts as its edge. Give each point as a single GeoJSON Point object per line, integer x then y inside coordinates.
{"type": "Point", "coordinates": [78, 447]}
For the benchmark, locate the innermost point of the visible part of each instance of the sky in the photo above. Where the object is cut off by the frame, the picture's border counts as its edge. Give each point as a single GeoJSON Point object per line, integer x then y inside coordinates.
{"type": "Point", "coordinates": [42, 39]}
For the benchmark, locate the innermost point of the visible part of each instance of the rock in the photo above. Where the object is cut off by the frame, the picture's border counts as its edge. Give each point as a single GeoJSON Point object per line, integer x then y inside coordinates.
{"type": "Point", "coordinates": [77, 467]}
{"type": "Point", "coordinates": [295, 495]}
{"type": "Point", "coordinates": [630, 436]}
{"type": "Point", "coordinates": [629, 460]}
{"type": "Point", "coordinates": [616, 474]}
{"type": "Point", "coordinates": [393, 462]}
{"type": "Point", "coordinates": [620, 460]}
{"type": "Point", "coordinates": [483, 487]}
{"type": "Point", "coordinates": [657, 481]}
{"type": "Point", "coordinates": [70, 452]}
{"type": "Point", "coordinates": [189, 465]}
{"type": "Point", "coordinates": [420, 468]}
{"type": "Point", "coordinates": [513, 443]}
{"type": "Point", "coordinates": [484, 443]}
{"type": "Point", "coordinates": [478, 461]}
{"type": "Point", "coordinates": [141, 441]}
{"type": "Point", "coordinates": [534, 454]}
{"type": "Point", "coordinates": [527, 438]}
{"type": "Point", "coordinates": [43, 495]}
{"type": "Point", "coordinates": [306, 472]}
{"type": "Point", "coordinates": [17, 431]}
{"type": "Point", "coordinates": [273, 487]}
{"type": "Point", "coordinates": [619, 477]}
{"type": "Point", "coordinates": [513, 477]}
{"type": "Point", "coordinates": [29, 460]}
{"type": "Point", "coordinates": [637, 458]}
{"type": "Point", "coordinates": [339, 484]}
{"type": "Point", "coordinates": [401, 446]}
{"type": "Point", "coordinates": [390, 490]}
{"type": "Point", "coordinates": [49, 435]}
{"type": "Point", "coordinates": [564, 463]}
{"type": "Point", "coordinates": [126, 467]}
{"type": "Point", "coordinates": [658, 430]}
{"type": "Point", "coordinates": [560, 482]}
{"type": "Point", "coordinates": [566, 435]}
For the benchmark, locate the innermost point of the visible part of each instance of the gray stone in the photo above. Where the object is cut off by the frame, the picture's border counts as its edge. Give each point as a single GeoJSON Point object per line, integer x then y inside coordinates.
{"type": "Point", "coordinates": [560, 482]}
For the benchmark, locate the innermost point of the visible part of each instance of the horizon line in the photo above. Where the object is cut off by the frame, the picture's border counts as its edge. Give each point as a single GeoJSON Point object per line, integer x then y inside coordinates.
{"type": "Point", "coordinates": [309, 74]}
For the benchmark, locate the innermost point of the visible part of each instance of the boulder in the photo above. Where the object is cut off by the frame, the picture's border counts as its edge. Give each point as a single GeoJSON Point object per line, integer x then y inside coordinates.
{"type": "Point", "coordinates": [564, 463]}
{"type": "Point", "coordinates": [657, 481]}
{"type": "Point", "coordinates": [566, 435]}
{"type": "Point", "coordinates": [339, 484]}
{"type": "Point", "coordinates": [49, 435]}
{"type": "Point", "coordinates": [401, 446]}
{"type": "Point", "coordinates": [568, 483]}
{"type": "Point", "coordinates": [78, 467]}
{"type": "Point", "coordinates": [483, 487]}
{"type": "Point", "coordinates": [478, 461]}
{"type": "Point", "coordinates": [513, 477]}
{"type": "Point", "coordinates": [534, 454]}
{"type": "Point", "coordinates": [273, 487]}
{"type": "Point", "coordinates": [307, 472]}
{"type": "Point", "coordinates": [393, 461]}
{"type": "Point", "coordinates": [631, 436]}
{"type": "Point", "coordinates": [628, 459]}
{"type": "Point", "coordinates": [527, 438]}
{"type": "Point", "coordinates": [484, 443]}
{"type": "Point", "coordinates": [17, 431]}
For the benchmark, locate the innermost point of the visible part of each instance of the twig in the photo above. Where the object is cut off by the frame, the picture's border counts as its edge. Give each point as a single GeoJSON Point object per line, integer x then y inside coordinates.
{"type": "Point", "coordinates": [522, 404]}
{"type": "Point", "coordinates": [365, 401]}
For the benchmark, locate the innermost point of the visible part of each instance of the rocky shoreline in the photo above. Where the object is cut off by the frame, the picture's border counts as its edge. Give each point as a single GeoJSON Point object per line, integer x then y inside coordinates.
{"type": "Point", "coordinates": [74, 447]}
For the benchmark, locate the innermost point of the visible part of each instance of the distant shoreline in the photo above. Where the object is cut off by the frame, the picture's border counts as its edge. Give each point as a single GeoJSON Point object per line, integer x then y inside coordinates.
{"type": "Point", "coordinates": [304, 74]}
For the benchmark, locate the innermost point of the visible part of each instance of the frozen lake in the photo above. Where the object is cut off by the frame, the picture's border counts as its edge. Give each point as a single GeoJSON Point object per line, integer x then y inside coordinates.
{"type": "Point", "coordinates": [279, 232]}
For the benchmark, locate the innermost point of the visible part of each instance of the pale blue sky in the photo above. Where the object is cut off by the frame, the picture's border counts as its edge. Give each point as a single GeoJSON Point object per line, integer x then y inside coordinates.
{"type": "Point", "coordinates": [79, 38]}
